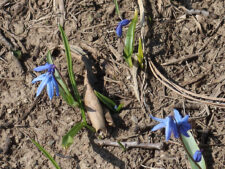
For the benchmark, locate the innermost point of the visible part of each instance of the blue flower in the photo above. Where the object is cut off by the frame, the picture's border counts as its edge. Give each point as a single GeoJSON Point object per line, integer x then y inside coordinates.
{"type": "Point", "coordinates": [169, 125]}
{"type": "Point", "coordinates": [182, 123]}
{"type": "Point", "coordinates": [47, 79]}
{"type": "Point", "coordinates": [197, 156]}
{"type": "Point", "coordinates": [120, 26]}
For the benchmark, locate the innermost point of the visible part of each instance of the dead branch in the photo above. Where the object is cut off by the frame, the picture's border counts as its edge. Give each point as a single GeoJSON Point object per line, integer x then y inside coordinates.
{"type": "Point", "coordinates": [185, 58]}
{"type": "Point", "coordinates": [193, 80]}
{"type": "Point", "coordinates": [133, 144]}
{"type": "Point", "coordinates": [219, 102]}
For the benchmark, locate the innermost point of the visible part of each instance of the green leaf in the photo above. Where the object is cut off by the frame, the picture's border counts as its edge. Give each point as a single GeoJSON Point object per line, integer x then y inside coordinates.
{"type": "Point", "coordinates": [117, 8]}
{"type": "Point", "coordinates": [45, 153]}
{"type": "Point", "coordinates": [63, 89]}
{"type": "Point", "coordinates": [140, 55]}
{"type": "Point", "coordinates": [108, 102]}
{"type": "Point", "coordinates": [150, 19]}
{"type": "Point", "coordinates": [119, 107]}
{"type": "Point", "coordinates": [129, 41]}
{"type": "Point", "coordinates": [92, 129]}
{"type": "Point", "coordinates": [191, 146]}
{"type": "Point", "coordinates": [122, 146]}
{"type": "Point", "coordinates": [70, 65]}
{"type": "Point", "coordinates": [68, 138]}
{"type": "Point", "coordinates": [71, 73]}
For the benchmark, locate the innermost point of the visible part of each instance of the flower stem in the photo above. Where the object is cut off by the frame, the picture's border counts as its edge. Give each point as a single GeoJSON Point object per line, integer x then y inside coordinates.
{"type": "Point", "coordinates": [188, 153]}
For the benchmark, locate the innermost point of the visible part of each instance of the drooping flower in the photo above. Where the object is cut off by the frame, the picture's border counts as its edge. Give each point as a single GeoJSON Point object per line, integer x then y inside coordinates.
{"type": "Point", "coordinates": [197, 156]}
{"type": "Point", "coordinates": [120, 27]}
{"type": "Point", "coordinates": [46, 79]}
{"type": "Point", "coordinates": [182, 123]}
{"type": "Point", "coordinates": [169, 125]}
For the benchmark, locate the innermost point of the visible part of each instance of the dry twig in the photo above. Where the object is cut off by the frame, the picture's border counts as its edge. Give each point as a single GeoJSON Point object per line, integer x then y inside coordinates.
{"type": "Point", "coordinates": [133, 144]}
{"type": "Point", "coordinates": [219, 102]}
{"type": "Point", "coordinates": [185, 58]}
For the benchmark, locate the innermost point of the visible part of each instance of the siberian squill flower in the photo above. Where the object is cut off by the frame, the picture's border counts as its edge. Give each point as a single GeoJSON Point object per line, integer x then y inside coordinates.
{"type": "Point", "coordinates": [46, 79]}
{"type": "Point", "coordinates": [197, 156]}
{"type": "Point", "coordinates": [120, 26]}
{"type": "Point", "coordinates": [169, 125]}
{"type": "Point", "coordinates": [182, 123]}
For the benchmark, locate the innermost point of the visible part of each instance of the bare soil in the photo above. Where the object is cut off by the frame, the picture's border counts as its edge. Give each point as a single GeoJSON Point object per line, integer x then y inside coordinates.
{"type": "Point", "coordinates": [32, 27]}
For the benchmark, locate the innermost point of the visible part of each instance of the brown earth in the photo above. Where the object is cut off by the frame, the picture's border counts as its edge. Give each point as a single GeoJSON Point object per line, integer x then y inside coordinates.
{"type": "Point", "coordinates": [31, 27]}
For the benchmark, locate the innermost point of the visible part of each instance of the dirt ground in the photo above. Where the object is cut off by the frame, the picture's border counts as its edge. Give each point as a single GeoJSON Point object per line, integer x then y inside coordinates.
{"type": "Point", "coordinates": [187, 49]}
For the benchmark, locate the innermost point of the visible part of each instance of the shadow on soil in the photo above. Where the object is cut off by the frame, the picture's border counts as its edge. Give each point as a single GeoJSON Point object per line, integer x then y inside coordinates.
{"type": "Point", "coordinates": [105, 154]}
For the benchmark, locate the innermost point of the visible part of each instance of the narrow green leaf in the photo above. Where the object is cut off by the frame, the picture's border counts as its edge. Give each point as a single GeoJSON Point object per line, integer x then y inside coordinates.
{"type": "Point", "coordinates": [69, 62]}
{"type": "Point", "coordinates": [191, 146]}
{"type": "Point", "coordinates": [150, 19]}
{"type": "Point", "coordinates": [45, 153]}
{"type": "Point", "coordinates": [68, 138]}
{"type": "Point", "coordinates": [119, 107]}
{"type": "Point", "coordinates": [122, 146]}
{"type": "Point", "coordinates": [71, 73]}
{"type": "Point", "coordinates": [108, 102]}
{"type": "Point", "coordinates": [92, 129]}
{"type": "Point", "coordinates": [129, 41]}
{"type": "Point", "coordinates": [140, 55]}
{"type": "Point", "coordinates": [63, 89]}
{"type": "Point", "coordinates": [117, 8]}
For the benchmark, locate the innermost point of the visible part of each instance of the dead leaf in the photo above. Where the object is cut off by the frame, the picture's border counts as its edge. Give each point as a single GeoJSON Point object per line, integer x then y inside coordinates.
{"type": "Point", "coordinates": [133, 71]}
{"type": "Point", "coordinates": [93, 107]}
{"type": "Point", "coordinates": [108, 117]}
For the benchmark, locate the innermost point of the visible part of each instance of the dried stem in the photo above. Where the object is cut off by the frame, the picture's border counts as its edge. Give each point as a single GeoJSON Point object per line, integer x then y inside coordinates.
{"type": "Point", "coordinates": [185, 58]}
{"type": "Point", "coordinates": [219, 102]}
{"type": "Point", "coordinates": [133, 144]}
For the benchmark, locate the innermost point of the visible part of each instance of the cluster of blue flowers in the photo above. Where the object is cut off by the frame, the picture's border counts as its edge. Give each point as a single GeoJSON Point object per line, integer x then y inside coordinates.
{"type": "Point", "coordinates": [173, 124]}
{"type": "Point", "coordinates": [47, 79]}
{"type": "Point", "coordinates": [177, 125]}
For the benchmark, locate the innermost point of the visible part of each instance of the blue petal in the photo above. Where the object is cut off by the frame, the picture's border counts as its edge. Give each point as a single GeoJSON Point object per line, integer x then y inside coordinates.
{"type": "Point", "coordinates": [55, 84]}
{"type": "Point", "coordinates": [42, 85]}
{"type": "Point", "coordinates": [119, 30]}
{"type": "Point", "coordinates": [186, 125]}
{"type": "Point", "coordinates": [50, 88]}
{"type": "Point", "coordinates": [185, 119]}
{"type": "Point", "coordinates": [177, 115]}
{"type": "Point", "coordinates": [39, 78]}
{"type": "Point", "coordinates": [41, 68]}
{"type": "Point", "coordinates": [158, 126]}
{"type": "Point", "coordinates": [124, 22]}
{"type": "Point", "coordinates": [169, 127]}
{"type": "Point", "coordinates": [197, 156]}
{"type": "Point", "coordinates": [157, 119]}
{"type": "Point", "coordinates": [175, 130]}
